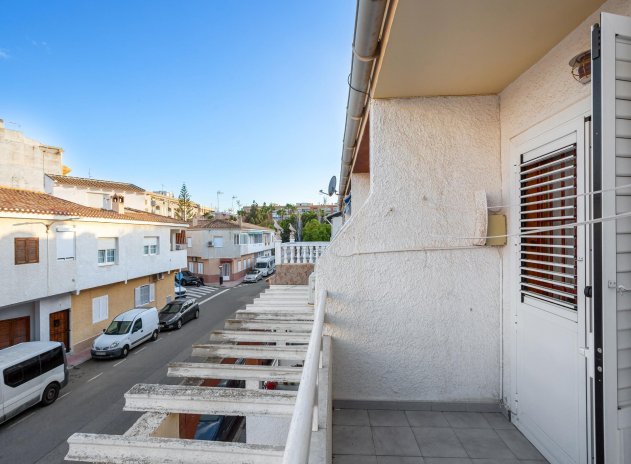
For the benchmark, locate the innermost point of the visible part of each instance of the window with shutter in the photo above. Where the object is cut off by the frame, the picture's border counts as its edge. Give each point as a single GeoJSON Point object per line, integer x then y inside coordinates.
{"type": "Point", "coordinates": [548, 242]}
{"type": "Point", "coordinates": [100, 309]}
{"type": "Point", "coordinates": [26, 250]}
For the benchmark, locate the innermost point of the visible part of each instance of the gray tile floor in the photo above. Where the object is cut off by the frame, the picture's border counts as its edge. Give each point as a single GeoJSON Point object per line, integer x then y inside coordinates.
{"type": "Point", "coordinates": [374, 436]}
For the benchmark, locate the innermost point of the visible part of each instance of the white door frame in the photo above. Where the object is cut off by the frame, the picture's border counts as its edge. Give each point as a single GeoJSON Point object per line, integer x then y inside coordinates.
{"type": "Point", "coordinates": [569, 121]}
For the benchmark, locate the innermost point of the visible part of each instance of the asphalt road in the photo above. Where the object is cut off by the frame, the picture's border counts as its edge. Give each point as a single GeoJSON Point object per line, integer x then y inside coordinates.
{"type": "Point", "coordinates": [93, 401]}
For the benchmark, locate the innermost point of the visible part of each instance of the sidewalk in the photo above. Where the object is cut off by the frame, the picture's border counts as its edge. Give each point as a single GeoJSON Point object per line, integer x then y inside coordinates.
{"type": "Point", "coordinates": [79, 357]}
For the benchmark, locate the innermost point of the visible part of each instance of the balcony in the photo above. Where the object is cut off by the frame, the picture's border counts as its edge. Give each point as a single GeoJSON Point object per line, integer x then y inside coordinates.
{"type": "Point", "coordinates": [249, 248]}
{"type": "Point", "coordinates": [306, 426]}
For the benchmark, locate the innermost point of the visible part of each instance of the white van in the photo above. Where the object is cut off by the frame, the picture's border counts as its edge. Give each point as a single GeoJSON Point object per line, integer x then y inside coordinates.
{"type": "Point", "coordinates": [267, 265]}
{"type": "Point", "coordinates": [126, 331]}
{"type": "Point", "coordinates": [32, 372]}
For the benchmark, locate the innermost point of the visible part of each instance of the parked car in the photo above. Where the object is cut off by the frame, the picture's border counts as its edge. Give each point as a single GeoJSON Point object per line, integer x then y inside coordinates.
{"type": "Point", "coordinates": [176, 313]}
{"type": "Point", "coordinates": [188, 278]}
{"type": "Point", "coordinates": [126, 331]}
{"type": "Point", "coordinates": [253, 275]}
{"type": "Point", "coordinates": [32, 372]}
{"type": "Point", "coordinates": [180, 292]}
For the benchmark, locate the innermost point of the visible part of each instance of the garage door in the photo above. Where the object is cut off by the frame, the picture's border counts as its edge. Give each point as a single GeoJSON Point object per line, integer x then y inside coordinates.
{"type": "Point", "coordinates": [14, 331]}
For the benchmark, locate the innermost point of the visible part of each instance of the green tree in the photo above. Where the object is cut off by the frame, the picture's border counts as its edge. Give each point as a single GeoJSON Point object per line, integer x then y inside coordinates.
{"type": "Point", "coordinates": [185, 209]}
{"type": "Point", "coordinates": [313, 231]}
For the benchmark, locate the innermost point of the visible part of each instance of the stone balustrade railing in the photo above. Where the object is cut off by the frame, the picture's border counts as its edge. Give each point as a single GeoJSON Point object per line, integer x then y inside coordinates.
{"type": "Point", "coordinates": [299, 252]}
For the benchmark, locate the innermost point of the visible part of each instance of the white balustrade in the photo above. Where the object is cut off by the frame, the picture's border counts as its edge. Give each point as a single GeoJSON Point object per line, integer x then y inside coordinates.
{"type": "Point", "coordinates": [299, 252]}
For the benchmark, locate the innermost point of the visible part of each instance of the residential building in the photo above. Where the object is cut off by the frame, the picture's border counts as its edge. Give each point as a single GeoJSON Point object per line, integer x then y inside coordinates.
{"type": "Point", "coordinates": [24, 161]}
{"type": "Point", "coordinates": [94, 193]}
{"type": "Point", "coordinates": [480, 107]}
{"type": "Point", "coordinates": [166, 204]}
{"type": "Point", "coordinates": [477, 299]}
{"type": "Point", "coordinates": [227, 248]}
{"type": "Point", "coordinates": [69, 269]}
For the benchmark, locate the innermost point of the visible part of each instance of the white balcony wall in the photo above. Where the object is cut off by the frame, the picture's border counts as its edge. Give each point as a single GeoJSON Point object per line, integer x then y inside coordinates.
{"type": "Point", "coordinates": [51, 276]}
{"type": "Point", "coordinates": [412, 318]}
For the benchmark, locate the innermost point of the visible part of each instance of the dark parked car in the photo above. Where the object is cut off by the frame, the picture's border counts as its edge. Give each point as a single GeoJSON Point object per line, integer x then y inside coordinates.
{"type": "Point", "coordinates": [177, 312]}
{"type": "Point", "coordinates": [188, 278]}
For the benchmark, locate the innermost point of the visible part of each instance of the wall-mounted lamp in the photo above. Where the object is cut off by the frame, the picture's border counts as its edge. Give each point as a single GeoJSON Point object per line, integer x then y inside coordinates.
{"type": "Point", "coordinates": [581, 66]}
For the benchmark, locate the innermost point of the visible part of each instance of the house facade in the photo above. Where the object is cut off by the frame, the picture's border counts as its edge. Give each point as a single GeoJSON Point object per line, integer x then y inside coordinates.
{"type": "Point", "coordinates": [166, 204]}
{"type": "Point", "coordinates": [227, 248]}
{"type": "Point", "coordinates": [69, 269]}
{"type": "Point", "coordinates": [480, 114]}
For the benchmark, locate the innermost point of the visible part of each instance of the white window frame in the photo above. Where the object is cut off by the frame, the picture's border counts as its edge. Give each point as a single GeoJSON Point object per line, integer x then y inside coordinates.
{"type": "Point", "coordinates": [100, 310]}
{"type": "Point", "coordinates": [144, 294]}
{"type": "Point", "coordinates": [218, 242]}
{"type": "Point", "coordinates": [189, 242]}
{"type": "Point", "coordinates": [107, 256]}
{"type": "Point", "coordinates": [200, 268]}
{"type": "Point", "coordinates": [151, 246]}
{"type": "Point", "coordinates": [191, 266]}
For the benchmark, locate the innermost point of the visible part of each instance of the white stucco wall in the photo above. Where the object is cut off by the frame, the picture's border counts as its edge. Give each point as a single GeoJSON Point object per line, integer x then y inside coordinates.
{"type": "Point", "coordinates": [419, 325]}
{"type": "Point", "coordinates": [360, 189]}
{"type": "Point", "coordinates": [535, 96]}
{"type": "Point", "coordinates": [23, 161]}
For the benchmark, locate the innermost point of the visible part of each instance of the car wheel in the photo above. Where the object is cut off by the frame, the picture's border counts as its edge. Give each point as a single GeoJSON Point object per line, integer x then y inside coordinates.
{"type": "Point", "coordinates": [125, 351]}
{"type": "Point", "coordinates": [50, 394]}
{"type": "Point", "coordinates": [198, 284]}
{"type": "Point", "coordinates": [154, 336]}
{"type": "Point", "coordinates": [179, 323]}
{"type": "Point", "coordinates": [197, 314]}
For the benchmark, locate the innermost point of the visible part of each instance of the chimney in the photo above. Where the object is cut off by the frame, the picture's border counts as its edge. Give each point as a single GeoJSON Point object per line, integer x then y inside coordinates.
{"type": "Point", "coordinates": [118, 204]}
{"type": "Point", "coordinates": [195, 221]}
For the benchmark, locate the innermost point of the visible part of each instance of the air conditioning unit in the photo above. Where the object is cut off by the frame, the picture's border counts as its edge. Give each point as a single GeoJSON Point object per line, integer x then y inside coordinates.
{"type": "Point", "coordinates": [210, 244]}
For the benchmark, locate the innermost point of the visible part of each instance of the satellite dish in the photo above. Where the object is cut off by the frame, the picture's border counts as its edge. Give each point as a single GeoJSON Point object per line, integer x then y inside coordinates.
{"type": "Point", "coordinates": [332, 184]}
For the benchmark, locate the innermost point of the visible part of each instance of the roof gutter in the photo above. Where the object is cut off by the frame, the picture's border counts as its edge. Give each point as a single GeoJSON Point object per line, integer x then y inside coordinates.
{"type": "Point", "coordinates": [369, 23]}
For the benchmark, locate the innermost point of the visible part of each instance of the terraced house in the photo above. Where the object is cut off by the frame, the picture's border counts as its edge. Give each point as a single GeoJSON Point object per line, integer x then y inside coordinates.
{"type": "Point", "coordinates": [69, 268]}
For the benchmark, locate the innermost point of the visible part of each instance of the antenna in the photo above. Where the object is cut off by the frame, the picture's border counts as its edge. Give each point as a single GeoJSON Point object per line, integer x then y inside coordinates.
{"type": "Point", "coordinates": [332, 184]}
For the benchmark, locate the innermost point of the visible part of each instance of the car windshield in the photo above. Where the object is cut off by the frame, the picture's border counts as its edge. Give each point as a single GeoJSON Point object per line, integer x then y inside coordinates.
{"type": "Point", "coordinates": [253, 272]}
{"type": "Point", "coordinates": [261, 265]}
{"type": "Point", "coordinates": [171, 308]}
{"type": "Point", "coordinates": [118, 328]}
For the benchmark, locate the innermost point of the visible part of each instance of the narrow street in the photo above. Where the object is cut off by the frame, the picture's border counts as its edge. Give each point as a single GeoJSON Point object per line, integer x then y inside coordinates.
{"type": "Point", "coordinates": [93, 400]}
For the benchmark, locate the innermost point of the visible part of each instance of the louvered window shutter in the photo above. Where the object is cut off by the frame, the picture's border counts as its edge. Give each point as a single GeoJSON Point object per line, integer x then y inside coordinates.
{"type": "Point", "coordinates": [548, 244]}
{"type": "Point", "coordinates": [32, 250]}
{"type": "Point", "coordinates": [20, 251]}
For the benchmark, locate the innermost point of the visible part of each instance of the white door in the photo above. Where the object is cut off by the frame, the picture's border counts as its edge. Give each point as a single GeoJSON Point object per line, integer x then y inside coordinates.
{"type": "Point", "coordinates": [191, 267]}
{"type": "Point", "coordinates": [611, 84]}
{"type": "Point", "coordinates": [225, 271]}
{"type": "Point", "coordinates": [550, 400]}
{"type": "Point", "coordinates": [200, 268]}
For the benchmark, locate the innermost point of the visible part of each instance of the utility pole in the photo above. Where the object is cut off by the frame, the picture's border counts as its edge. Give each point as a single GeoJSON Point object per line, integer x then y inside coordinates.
{"type": "Point", "coordinates": [219, 192]}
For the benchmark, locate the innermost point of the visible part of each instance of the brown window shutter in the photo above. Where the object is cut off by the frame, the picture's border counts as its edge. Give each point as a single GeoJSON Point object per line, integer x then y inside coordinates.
{"type": "Point", "coordinates": [20, 251]}
{"type": "Point", "coordinates": [32, 250]}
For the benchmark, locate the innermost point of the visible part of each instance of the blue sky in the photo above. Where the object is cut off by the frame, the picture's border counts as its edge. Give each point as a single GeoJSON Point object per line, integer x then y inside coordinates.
{"type": "Point", "coordinates": [245, 96]}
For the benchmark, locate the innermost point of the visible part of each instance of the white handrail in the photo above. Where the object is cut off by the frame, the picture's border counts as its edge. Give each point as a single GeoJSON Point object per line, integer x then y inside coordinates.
{"type": "Point", "coordinates": [299, 437]}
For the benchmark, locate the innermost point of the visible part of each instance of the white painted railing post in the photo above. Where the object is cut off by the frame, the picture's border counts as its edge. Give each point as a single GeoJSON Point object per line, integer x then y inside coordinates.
{"type": "Point", "coordinates": [302, 421]}
{"type": "Point", "coordinates": [277, 251]}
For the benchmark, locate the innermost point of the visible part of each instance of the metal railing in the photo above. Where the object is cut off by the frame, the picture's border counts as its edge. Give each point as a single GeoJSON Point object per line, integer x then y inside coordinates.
{"type": "Point", "coordinates": [304, 418]}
